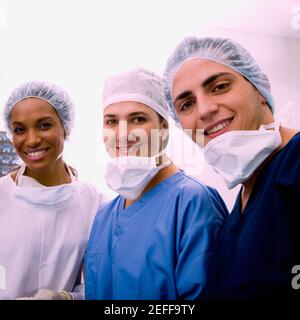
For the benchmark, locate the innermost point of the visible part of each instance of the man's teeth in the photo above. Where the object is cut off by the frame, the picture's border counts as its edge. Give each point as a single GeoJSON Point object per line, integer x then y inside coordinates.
{"type": "Point", "coordinates": [36, 153]}
{"type": "Point", "coordinates": [218, 127]}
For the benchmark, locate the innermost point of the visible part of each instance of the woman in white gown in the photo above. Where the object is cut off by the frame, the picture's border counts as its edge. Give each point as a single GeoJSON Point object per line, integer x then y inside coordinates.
{"type": "Point", "coordinates": [45, 211]}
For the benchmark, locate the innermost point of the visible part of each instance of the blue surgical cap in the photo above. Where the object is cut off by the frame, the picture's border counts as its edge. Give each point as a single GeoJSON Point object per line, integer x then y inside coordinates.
{"type": "Point", "coordinates": [224, 51]}
{"type": "Point", "coordinates": [57, 97]}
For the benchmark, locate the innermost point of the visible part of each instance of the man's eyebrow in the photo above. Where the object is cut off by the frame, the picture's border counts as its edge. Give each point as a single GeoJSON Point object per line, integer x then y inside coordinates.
{"type": "Point", "coordinates": [214, 77]}
{"type": "Point", "coordinates": [205, 83]}
{"type": "Point", "coordinates": [182, 95]}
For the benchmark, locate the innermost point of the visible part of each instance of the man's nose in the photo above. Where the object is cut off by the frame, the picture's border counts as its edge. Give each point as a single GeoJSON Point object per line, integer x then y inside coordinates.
{"type": "Point", "coordinates": [207, 107]}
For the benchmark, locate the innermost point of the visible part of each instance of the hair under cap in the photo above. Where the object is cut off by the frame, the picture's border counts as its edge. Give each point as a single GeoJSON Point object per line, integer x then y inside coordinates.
{"type": "Point", "coordinates": [57, 97]}
{"type": "Point", "coordinates": [224, 51]}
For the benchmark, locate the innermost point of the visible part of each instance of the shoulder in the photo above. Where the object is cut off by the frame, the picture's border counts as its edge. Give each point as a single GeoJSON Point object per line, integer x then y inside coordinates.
{"type": "Point", "coordinates": [195, 188]}
{"type": "Point", "coordinates": [105, 213]}
{"type": "Point", "coordinates": [192, 186]}
{"type": "Point", "coordinates": [288, 157]}
{"type": "Point", "coordinates": [7, 180]}
{"type": "Point", "coordinates": [286, 165]}
{"type": "Point", "coordinates": [88, 188]}
{"type": "Point", "coordinates": [109, 206]}
{"type": "Point", "coordinates": [91, 193]}
{"type": "Point", "coordinates": [194, 194]}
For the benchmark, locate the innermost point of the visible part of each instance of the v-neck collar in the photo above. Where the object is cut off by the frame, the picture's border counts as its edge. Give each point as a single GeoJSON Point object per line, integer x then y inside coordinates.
{"type": "Point", "coordinates": [148, 195]}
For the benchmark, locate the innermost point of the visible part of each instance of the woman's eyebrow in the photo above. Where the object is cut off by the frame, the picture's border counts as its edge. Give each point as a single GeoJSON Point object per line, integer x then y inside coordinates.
{"type": "Point", "coordinates": [138, 113]}
{"type": "Point", "coordinates": [45, 118]}
{"type": "Point", "coordinates": [109, 116]}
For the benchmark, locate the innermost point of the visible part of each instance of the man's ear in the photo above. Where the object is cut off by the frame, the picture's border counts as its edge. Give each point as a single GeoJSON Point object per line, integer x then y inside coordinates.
{"type": "Point", "coordinates": [165, 124]}
{"type": "Point", "coordinates": [262, 99]}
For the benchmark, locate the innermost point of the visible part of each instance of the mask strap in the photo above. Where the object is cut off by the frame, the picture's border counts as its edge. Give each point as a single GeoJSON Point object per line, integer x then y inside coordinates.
{"type": "Point", "coordinates": [274, 125]}
{"type": "Point", "coordinates": [20, 174]}
{"type": "Point", "coordinates": [72, 176]}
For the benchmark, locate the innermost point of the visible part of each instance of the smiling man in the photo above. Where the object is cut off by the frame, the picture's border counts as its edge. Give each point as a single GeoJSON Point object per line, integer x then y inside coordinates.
{"type": "Point", "coordinates": [216, 88]}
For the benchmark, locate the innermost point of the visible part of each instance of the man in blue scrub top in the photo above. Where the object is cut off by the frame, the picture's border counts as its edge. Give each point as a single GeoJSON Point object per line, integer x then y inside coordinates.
{"type": "Point", "coordinates": [216, 88]}
{"type": "Point", "coordinates": [156, 240]}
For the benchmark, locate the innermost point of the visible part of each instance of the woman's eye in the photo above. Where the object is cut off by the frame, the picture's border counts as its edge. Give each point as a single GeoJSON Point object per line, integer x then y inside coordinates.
{"type": "Point", "coordinates": [18, 130]}
{"type": "Point", "coordinates": [110, 122]}
{"type": "Point", "coordinates": [138, 120]}
{"type": "Point", "coordinates": [221, 87]}
{"type": "Point", "coordinates": [45, 125]}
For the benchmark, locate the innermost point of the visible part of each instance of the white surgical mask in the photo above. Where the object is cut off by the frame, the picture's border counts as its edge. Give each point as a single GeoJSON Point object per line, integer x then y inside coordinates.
{"type": "Point", "coordinates": [128, 176]}
{"type": "Point", "coordinates": [235, 155]}
{"type": "Point", "coordinates": [30, 190]}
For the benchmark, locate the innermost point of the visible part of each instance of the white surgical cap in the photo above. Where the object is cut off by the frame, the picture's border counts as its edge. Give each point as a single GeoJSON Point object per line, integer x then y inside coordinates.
{"type": "Point", "coordinates": [224, 51]}
{"type": "Point", "coordinates": [137, 85]}
{"type": "Point", "coordinates": [57, 97]}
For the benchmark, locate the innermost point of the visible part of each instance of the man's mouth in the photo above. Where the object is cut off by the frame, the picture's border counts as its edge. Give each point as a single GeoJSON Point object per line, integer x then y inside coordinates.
{"type": "Point", "coordinates": [217, 127]}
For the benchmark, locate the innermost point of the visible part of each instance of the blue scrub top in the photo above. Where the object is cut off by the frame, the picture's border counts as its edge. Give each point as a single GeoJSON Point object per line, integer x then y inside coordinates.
{"type": "Point", "coordinates": [160, 247]}
{"type": "Point", "coordinates": [259, 247]}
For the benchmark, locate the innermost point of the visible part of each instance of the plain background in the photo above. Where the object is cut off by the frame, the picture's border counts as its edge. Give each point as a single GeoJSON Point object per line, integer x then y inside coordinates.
{"type": "Point", "coordinates": [77, 44]}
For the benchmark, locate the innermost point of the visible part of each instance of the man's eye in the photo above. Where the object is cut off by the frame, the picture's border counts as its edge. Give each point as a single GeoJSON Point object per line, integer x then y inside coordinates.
{"type": "Point", "coordinates": [186, 105]}
{"type": "Point", "coordinates": [221, 87]}
{"type": "Point", "coordinates": [18, 130]}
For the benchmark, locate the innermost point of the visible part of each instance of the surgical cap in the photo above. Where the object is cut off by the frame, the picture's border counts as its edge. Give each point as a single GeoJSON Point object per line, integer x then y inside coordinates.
{"type": "Point", "coordinates": [224, 51]}
{"type": "Point", "coordinates": [57, 97]}
{"type": "Point", "coordinates": [137, 85]}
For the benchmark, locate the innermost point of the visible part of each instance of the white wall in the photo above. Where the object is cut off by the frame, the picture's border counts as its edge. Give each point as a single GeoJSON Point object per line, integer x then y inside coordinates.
{"type": "Point", "coordinates": [77, 44]}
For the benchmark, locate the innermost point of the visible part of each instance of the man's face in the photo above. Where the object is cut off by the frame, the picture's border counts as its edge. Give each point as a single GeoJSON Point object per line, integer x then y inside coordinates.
{"type": "Point", "coordinates": [210, 96]}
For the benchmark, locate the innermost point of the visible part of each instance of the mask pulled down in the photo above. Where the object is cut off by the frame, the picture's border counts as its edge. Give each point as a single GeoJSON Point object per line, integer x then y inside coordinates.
{"type": "Point", "coordinates": [235, 155]}
{"type": "Point", "coordinates": [129, 175]}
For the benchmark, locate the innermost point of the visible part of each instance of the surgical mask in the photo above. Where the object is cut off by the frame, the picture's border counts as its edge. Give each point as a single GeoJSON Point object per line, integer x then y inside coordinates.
{"type": "Point", "coordinates": [128, 176]}
{"type": "Point", "coordinates": [235, 155]}
{"type": "Point", "coordinates": [31, 191]}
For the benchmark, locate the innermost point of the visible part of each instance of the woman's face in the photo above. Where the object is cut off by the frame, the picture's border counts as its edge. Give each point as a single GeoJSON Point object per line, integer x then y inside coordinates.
{"type": "Point", "coordinates": [132, 129]}
{"type": "Point", "coordinates": [37, 134]}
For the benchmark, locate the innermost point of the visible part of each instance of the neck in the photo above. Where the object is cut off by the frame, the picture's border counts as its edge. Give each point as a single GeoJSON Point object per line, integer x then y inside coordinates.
{"type": "Point", "coordinates": [286, 135]}
{"type": "Point", "coordinates": [158, 178]}
{"type": "Point", "coordinates": [54, 176]}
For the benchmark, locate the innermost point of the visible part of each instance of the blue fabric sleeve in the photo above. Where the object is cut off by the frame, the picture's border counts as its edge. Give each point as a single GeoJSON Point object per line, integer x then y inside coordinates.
{"type": "Point", "coordinates": [202, 217]}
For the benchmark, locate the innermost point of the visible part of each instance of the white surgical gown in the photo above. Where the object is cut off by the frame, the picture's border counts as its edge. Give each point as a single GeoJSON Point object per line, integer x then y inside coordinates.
{"type": "Point", "coordinates": [42, 244]}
